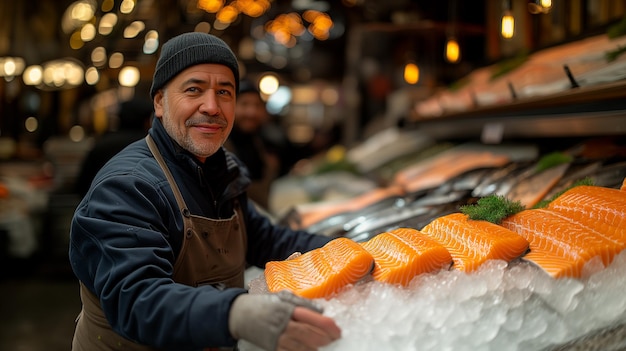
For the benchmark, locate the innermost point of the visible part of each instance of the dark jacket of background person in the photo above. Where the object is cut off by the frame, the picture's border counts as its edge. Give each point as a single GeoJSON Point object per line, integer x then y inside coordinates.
{"type": "Point", "coordinates": [134, 119]}
{"type": "Point", "coordinates": [131, 210]}
{"type": "Point", "coordinates": [247, 143]}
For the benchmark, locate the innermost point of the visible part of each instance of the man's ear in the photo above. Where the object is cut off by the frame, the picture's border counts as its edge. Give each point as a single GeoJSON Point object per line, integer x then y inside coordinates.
{"type": "Point", "coordinates": [158, 103]}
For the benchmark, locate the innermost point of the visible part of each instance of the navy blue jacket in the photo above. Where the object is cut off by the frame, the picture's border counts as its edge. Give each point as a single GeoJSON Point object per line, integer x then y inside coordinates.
{"type": "Point", "coordinates": [127, 231]}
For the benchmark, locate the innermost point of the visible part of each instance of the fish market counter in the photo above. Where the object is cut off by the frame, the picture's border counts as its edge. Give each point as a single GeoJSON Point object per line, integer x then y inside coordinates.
{"type": "Point", "coordinates": [499, 307]}
{"type": "Point", "coordinates": [502, 305]}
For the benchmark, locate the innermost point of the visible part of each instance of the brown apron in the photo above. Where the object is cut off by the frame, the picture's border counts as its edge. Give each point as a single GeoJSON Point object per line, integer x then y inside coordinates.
{"type": "Point", "coordinates": [212, 253]}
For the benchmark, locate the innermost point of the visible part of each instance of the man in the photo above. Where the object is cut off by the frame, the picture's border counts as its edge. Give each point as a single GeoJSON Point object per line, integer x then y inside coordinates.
{"type": "Point", "coordinates": [161, 239]}
{"type": "Point", "coordinates": [246, 142]}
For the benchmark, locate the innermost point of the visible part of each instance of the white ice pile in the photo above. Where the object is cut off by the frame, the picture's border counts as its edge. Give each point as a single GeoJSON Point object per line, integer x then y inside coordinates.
{"type": "Point", "coordinates": [498, 307]}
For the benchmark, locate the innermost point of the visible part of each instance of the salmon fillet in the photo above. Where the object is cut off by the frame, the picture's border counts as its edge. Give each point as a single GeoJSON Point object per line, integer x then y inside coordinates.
{"type": "Point", "coordinates": [441, 168]}
{"type": "Point", "coordinates": [318, 212]}
{"type": "Point", "coordinates": [472, 242]}
{"type": "Point", "coordinates": [559, 245]}
{"type": "Point", "coordinates": [532, 190]}
{"type": "Point", "coordinates": [603, 209]}
{"type": "Point", "coordinates": [322, 272]}
{"type": "Point", "coordinates": [403, 253]}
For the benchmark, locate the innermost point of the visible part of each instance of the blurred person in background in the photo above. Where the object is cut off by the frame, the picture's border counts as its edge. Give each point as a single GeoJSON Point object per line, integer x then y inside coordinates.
{"type": "Point", "coordinates": [134, 120]}
{"type": "Point", "coordinates": [247, 142]}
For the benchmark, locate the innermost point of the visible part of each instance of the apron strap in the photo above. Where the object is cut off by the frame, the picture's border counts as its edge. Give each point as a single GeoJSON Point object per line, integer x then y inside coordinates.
{"type": "Point", "coordinates": [170, 178]}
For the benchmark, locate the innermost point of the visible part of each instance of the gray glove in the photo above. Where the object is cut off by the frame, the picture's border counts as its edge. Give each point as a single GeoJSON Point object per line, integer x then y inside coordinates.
{"type": "Point", "coordinates": [261, 319]}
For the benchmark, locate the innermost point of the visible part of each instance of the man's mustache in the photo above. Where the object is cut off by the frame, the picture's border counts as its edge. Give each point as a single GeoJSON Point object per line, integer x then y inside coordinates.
{"type": "Point", "coordinates": [206, 120]}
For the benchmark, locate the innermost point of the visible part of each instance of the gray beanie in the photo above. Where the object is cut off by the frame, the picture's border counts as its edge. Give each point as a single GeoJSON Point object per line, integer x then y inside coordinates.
{"type": "Point", "coordinates": [189, 49]}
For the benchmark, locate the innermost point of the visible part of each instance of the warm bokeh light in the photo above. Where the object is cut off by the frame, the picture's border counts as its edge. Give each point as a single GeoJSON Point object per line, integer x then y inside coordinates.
{"type": "Point", "coordinates": [219, 25]}
{"type": "Point", "coordinates": [62, 73]}
{"type": "Point", "coordinates": [92, 76]}
{"type": "Point", "coordinates": [77, 14]}
{"type": "Point", "coordinates": [116, 60]}
{"type": "Point", "coordinates": [228, 14]}
{"type": "Point", "coordinates": [88, 32]}
{"type": "Point", "coordinates": [82, 11]}
{"type": "Point", "coordinates": [99, 56]}
{"type": "Point", "coordinates": [107, 5]}
{"type": "Point", "coordinates": [33, 75]}
{"type": "Point", "coordinates": [11, 66]}
{"type": "Point", "coordinates": [285, 27]}
{"type": "Point", "coordinates": [77, 133]}
{"type": "Point", "coordinates": [268, 84]}
{"type": "Point", "coordinates": [73, 74]}
{"type": "Point", "coordinates": [75, 41]}
{"type": "Point", "coordinates": [411, 73]}
{"type": "Point", "coordinates": [203, 27]}
{"type": "Point", "coordinates": [210, 6]}
{"type": "Point", "coordinates": [133, 29]}
{"type": "Point", "coordinates": [127, 6]}
{"type": "Point", "coordinates": [129, 76]}
{"type": "Point", "coordinates": [31, 124]}
{"type": "Point", "coordinates": [321, 23]}
{"type": "Point", "coordinates": [453, 52]}
{"type": "Point", "coordinates": [508, 25]}
{"type": "Point", "coordinates": [540, 6]}
{"type": "Point", "coordinates": [152, 34]}
{"type": "Point", "coordinates": [305, 95]}
{"type": "Point", "coordinates": [107, 23]}
{"type": "Point", "coordinates": [253, 8]}
{"type": "Point", "coordinates": [329, 96]}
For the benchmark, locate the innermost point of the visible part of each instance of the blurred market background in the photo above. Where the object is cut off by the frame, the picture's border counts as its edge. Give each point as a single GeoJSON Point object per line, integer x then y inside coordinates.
{"type": "Point", "coordinates": [341, 78]}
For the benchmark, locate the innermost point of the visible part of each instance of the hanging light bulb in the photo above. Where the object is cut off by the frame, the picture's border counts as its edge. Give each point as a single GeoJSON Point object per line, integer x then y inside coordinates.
{"type": "Point", "coordinates": [508, 24]}
{"type": "Point", "coordinates": [546, 3]}
{"type": "Point", "coordinates": [453, 52]}
{"type": "Point", "coordinates": [539, 6]}
{"type": "Point", "coordinates": [411, 73]}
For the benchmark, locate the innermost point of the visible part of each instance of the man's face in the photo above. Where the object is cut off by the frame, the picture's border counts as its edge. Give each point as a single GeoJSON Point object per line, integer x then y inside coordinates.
{"type": "Point", "coordinates": [250, 113]}
{"type": "Point", "coordinates": [197, 108]}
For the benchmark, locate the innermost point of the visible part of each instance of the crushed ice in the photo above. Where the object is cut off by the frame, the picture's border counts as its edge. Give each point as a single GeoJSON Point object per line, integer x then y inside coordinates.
{"type": "Point", "coordinates": [498, 307]}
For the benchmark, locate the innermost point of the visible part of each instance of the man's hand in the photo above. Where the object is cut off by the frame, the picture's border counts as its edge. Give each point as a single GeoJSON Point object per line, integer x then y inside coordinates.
{"type": "Point", "coordinates": [308, 330]}
{"type": "Point", "coordinates": [281, 321]}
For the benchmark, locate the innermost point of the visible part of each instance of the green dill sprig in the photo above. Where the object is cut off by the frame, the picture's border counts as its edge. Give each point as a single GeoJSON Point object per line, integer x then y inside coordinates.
{"type": "Point", "coordinates": [552, 159]}
{"type": "Point", "coordinates": [612, 55]}
{"type": "Point", "coordinates": [492, 208]}
{"type": "Point", "coordinates": [509, 65]}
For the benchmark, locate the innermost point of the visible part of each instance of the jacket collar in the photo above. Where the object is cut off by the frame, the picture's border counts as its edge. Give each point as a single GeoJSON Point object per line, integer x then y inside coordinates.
{"type": "Point", "coordinates": [236, 178]}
